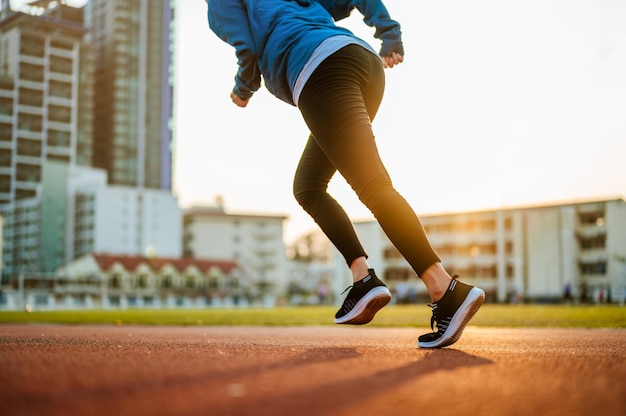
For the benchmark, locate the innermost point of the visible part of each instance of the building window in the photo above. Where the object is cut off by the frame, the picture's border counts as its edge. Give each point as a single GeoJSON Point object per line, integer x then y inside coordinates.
{"type": "Point", "coordinates": [24, 193]}
{"type": "Point", "coordinates": [392, 253]}
{"type": "Point", "coordinates": [167, 282]}
{"type": "Point", "coordinates": [398, 274]}
{"type": "Point", "coordinates": [233, 283]}
{"type": "Point", "coordinates": [60, 114]}
{"type": "Point", "coordinates": [115, 281]}
{"type": "Point", "coordinates": [6, 132]}
{"type": "Point", "coordinates": [488, 225]}
{"type": "Point", "coordinates": [31, 97]}
{"type": "Point", "coordinates": [590, 243]}
{"type": "Point", "coordinates": [26, 147]}
{"type": "Point", "coordinates": [143, 281]}
{"type": "Point", "coordinates": [28, 173]}
{"type": "Point", "coordinates": [60, 89]}
{"type": "Point", "coordinates": [596, 268]}
{"type": "Point", "coordinates": [32, 46]}
{"type": "Point", "coordinates": [56, 43]}
{"type": "Point", "coordinates": [592, 218]}
{"type": "Point", "coordinates": [6, 106]}
{"type": "Point", "coordinates": [31, 72]}
{"type": "Point", "coordinates": [61, 65]}
{"type": "Point", "coordinates": [510, 271]}
{"type": "Point", "coordinates": [190, 282]}
{"type": "Point", "coordinates": [5, 159]}
{"type": "Point", "coordinates": [29, 122]}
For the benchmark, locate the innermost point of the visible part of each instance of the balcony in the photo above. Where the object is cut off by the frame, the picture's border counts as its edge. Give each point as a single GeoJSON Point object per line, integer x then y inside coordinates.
{"type": "Point", "coordinates": [32, 60]}
{"type": "Point", "coordinates": [57, 76]}
{"type": "Point", "coordinates": [593, 256]}
{"type": "Point", "coordinates": [60, 101]}
{"type": "Point", "coordinates": [265, 250]}
{"type": "Point", "coordinates": [6, 93]}
{"type": "Point", "coordinates": [584, 231]}
{"type": "Point", "coordinates": [33, 84]}
{"type": "Point", "coordinates": [65, 53]}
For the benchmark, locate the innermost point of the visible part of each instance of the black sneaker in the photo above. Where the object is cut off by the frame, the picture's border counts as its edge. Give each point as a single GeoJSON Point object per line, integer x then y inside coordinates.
{"type": "Point", "coordinates": [366, 297]}
{"type": "Point", "coordinates": [451, 313]}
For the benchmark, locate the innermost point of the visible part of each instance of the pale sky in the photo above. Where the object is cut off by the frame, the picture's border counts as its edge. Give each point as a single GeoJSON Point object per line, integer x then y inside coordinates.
{"type": "Point", "coordinates": [499, 103]}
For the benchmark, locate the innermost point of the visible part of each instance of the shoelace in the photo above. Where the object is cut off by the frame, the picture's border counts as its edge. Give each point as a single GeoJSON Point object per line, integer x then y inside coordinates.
{"type": "Point", "coordinates": [432, 318]}
{"type": "Point", "coordinates": [441, 326]}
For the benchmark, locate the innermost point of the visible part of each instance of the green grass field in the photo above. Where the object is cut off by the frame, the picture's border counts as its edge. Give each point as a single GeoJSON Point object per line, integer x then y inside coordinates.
{"type": "Point", "coordinates": [570, 316]}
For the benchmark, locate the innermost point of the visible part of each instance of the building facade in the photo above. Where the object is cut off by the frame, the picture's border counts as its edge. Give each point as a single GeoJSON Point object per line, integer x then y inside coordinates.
{"type": "Point", "coordinates": [254, 241]}
{"type": "Point", "coordinates": [133, 47]}
{"type": "Point", "coordinates": [46, 76]}
{"type": "Point", "coordinates": [75, 213]}
{"type": "Point", "coordinates": [538, 253]}
{"type": "Point", "coordinates": [54, 59]}
{"type": "Point", "coordinates": [102, 281]}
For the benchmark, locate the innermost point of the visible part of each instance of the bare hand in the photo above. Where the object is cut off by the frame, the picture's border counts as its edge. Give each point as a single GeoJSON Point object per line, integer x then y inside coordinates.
{"type": "Point", "coordinates": [392, 60]}
{"type": "Point", "coordinates": [238, 100]}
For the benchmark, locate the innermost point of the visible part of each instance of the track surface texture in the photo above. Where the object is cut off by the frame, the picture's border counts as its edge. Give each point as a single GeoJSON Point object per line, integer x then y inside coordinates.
{"type": "Point", "coordinates": [325, 370]}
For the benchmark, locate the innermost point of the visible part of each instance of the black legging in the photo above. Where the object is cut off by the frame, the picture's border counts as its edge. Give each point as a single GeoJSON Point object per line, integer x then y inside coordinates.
{"type": "Point", "coordinates": [338, 103]}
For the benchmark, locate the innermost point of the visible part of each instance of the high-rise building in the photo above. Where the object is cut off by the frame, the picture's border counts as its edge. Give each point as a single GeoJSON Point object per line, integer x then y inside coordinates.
{"type": "Point", "coordinates": [87, 86]}
{"type": "Point", "coordinates": [133, 42]}
{"type": "Point", "coordinates": [46, 95]}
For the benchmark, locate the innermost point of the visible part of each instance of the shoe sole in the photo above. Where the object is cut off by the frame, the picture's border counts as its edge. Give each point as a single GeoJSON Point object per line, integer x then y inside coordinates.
{"type": "Point", "coordinates": [365, 309]}
{"type": "Point", "coordinates": [473, 301]}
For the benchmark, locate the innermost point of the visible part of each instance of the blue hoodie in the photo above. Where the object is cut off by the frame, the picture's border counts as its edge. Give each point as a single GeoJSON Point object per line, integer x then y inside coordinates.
{"type": "Point", "coordinates": [276, 38]}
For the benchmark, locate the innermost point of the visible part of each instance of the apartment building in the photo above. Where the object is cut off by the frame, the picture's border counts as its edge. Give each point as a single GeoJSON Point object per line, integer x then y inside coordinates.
{"type": "Point", "coordinates": [254, 241]}
{"type": "Point", "coordinates": [75, 212]}
{"type": "Point", "coordinates": [53, 60]}
{"type": "Point", "coordinates": [133, 43]}
{"type": "Point", "coordinates": [46, 96]}
{"type": "Point", "coordinates": [533, 253]}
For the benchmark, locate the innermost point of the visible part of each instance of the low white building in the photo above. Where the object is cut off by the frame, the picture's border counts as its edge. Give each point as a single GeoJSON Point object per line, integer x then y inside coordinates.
{"type": "Point", "coordinates": [535, 253]}
{"type": "Point", "coordinates": [104, 281]}
{"type": "Point", "coordinates": [125, 220]}
{"type": "Point", "coordinates": [254, 241]}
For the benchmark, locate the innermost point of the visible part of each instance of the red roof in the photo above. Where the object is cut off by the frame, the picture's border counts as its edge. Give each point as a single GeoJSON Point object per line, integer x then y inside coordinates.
{"type": "Point", "coordinates": [106, 261]}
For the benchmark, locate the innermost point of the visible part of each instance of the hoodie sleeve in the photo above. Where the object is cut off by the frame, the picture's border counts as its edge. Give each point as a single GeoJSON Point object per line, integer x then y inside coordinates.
{"type": "Point", "coordinates": [375, 15]}
{"type": "Point", "coordinates": [229, 21]}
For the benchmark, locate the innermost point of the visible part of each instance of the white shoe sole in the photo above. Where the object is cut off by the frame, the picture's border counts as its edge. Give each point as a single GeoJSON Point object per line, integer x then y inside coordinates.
{"type": "Point", "coordinates": [474, 300]}
{"type": "Point", "coordinates": [365, 309]}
